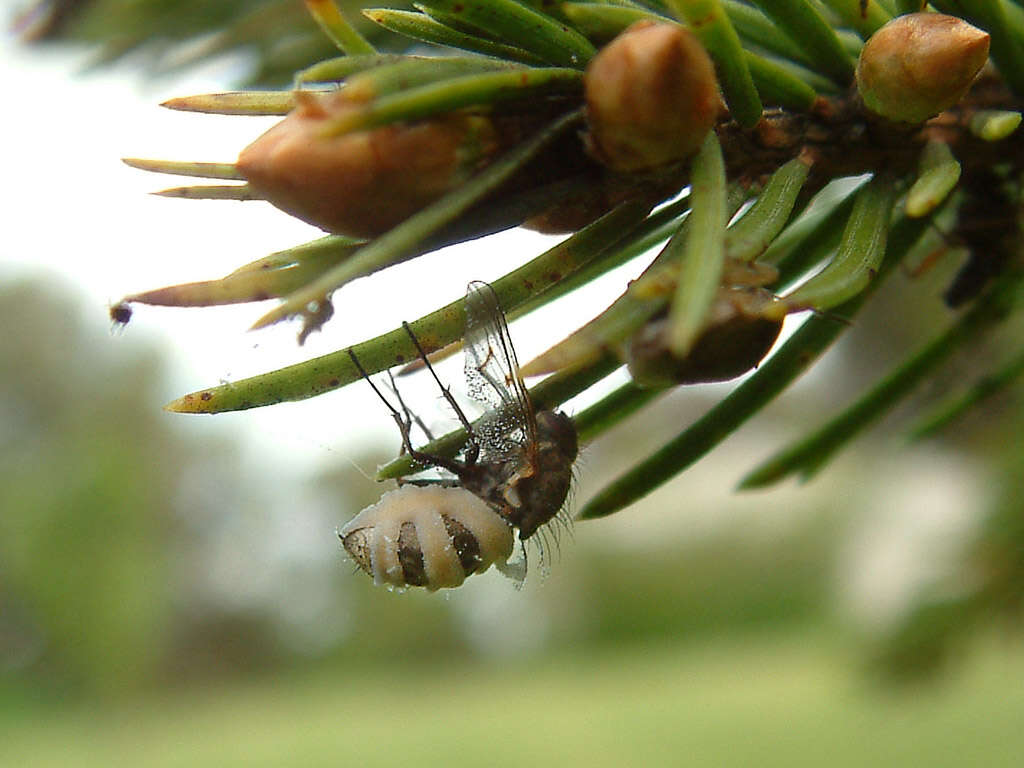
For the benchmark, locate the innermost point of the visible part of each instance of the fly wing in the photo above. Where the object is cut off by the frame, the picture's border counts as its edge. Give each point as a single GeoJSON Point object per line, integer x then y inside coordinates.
{"type": "Point", "coordinates": [492, 377]}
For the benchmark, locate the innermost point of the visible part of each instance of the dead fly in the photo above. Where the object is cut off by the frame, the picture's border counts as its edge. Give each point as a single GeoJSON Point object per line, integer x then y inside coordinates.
{"type": "Point", "coordinates": [516, 466]}
{"type": "Point", "coordinates": [120, 314]}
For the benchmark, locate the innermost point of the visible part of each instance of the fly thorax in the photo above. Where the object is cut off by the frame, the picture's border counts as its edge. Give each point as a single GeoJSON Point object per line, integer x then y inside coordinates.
{"type": "Point", "coordinates": [542, 494]}
{"type": "Point", "coordinates": [556, 431]}
{"type": "Point", "coordinates": [487, 481]}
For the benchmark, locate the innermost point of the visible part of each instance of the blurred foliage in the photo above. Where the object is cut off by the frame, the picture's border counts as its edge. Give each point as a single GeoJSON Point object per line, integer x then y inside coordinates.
{"type": "Point", "coordinates": [774, 702]}
{"type": "Point", "coordinates": [988, 589]}
{"type": "Point", "coordinates": [168, 35]}
{"type": "Point", "coordinates": [96, 488]}
{"type": "Point", "coordinates": [690, 591]}
{"type": "Point", "coordinates": [88, 476]}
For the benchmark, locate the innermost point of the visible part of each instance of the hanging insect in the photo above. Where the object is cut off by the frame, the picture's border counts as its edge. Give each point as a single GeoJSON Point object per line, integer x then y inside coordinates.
{"type": "Point", "coordinates": [515, 472]}
{"type": "Point", "coordinates": [120, 313]}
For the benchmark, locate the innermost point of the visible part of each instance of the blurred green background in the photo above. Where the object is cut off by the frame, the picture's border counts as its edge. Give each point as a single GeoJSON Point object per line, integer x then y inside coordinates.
{"type": "Point", "coordinates": [160, 604]}
{"type": "Point", "coordinates": [167, 599]}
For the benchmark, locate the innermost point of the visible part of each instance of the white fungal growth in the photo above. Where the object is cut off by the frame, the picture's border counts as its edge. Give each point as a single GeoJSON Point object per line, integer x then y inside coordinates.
{"type": "Point", "coordinates": [429, 536]}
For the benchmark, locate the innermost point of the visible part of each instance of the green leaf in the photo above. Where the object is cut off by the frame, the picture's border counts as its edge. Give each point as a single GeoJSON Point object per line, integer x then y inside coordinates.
{"type": "Point", "coordinates": [270, 277]}
{"type": "Point", "coordinates": [602, 21]}
{"type": "Point", "coordinates": [903, 7]}
{"type": "Point", "coordinates": [643, 299]}
{"type": "Point", "coordinates": [700, 272]}
{"type": "Point", "coordinates": [777, 84]}
{"type": "Point", "coordinates": [953, 408]}
{"type": "Point", "coordinates": [794, 357]}
{"type": "Point", "coordinates": [803, 73]}
{"type": "Point", "coordinates": [449, 95]}
{"type": "Point", "coordinates": [754, 27]}
{"type": "Point", "coordinates": [939, 174]}
{"type": "Point", "coordinates": [750, 235]}
{"type": "Point", "coordinates": [523, 27]}
{"type": "Point", "coordinates": [865, 17]}
{"type": "Point", "coordinates": [808, 455]}
{"type": "Point", "coordinates": [813, 235]}
{"type": "Point", "coordinates": [416, 71]}
{"type": "Point", "coordinates": [612, 409]}
{"type": "Point", "coordinates": [994, 124]}
{"type": "Point", "coordinates": [803, 23]}
{"type": "Point", "coordinates": [605, 333]}
{"type": "Point", "coordinates": [860, 250]}
{"type": "Point", "coordinates": [708, 21]}
{"type": "Point", "coordinates": [655, 229]}
{"type": "Point", "coordinates": [255, 103]}
{"type": "Point", "coordinates": [211, 192]}
{"type": "Point", "coordinates": [337, 28]}
{"type": "Point", "coordinates": [226, 171]}
{"type": "Point", "coordinates": [341, 67]}
{"type": "Point", "coordinates": [421, 27]}
{"type": "Point", "coordinates": [323, 248]}
{"type": "Point", "coordinates": [326, 373]}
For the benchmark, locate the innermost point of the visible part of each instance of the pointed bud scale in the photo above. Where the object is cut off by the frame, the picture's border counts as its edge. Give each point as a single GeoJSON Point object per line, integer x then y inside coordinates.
{"type": "Point", "coordinates": [919, 64]}
{"type": "Point", "coordinates": [362, 183]}
{"type": "Point", "coordinates": [651, 97]}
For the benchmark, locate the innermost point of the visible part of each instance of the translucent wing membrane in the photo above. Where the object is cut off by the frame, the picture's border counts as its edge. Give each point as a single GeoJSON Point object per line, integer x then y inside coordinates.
{"type": "Point", "coordinates": [493, 379]}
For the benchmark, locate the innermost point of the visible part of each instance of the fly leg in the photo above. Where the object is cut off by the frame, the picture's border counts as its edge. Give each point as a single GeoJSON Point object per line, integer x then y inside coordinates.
{"type": "Point", "coordinates": [473, 451]}
{"type": "Point", "coordinates": [410, 416]}
{"type": "Point", "coordinates": [404, 422]}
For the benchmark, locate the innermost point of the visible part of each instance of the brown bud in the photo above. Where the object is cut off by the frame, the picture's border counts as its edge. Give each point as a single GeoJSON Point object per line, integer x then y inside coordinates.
{"type": "Point", "coordinates": [919, 64]}
{"type": "Point", "coordinates": [735, 339]}
{"type": "Point", "coordinates": [651, 97]}
{"type": "Point", "coordinates": [362, 183]}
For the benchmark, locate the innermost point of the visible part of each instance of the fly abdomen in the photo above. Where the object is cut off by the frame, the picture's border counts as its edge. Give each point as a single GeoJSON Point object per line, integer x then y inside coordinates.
{"type": "Point", "coordinates": [410, 556]}
{"type": "Point", "coordinates": [427, 536]}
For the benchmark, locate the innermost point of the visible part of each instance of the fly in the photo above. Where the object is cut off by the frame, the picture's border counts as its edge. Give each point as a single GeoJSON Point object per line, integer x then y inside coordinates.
{"type": "Point", "coordinates": [517, 461]}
